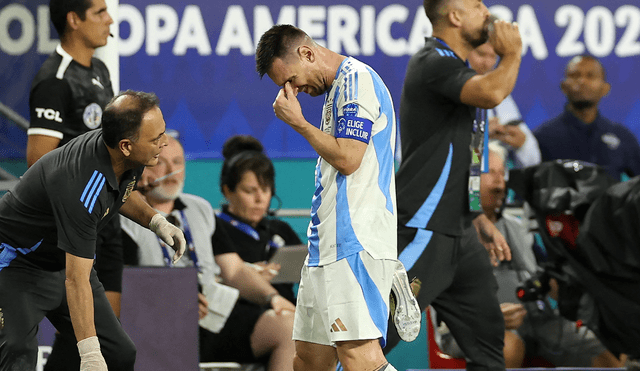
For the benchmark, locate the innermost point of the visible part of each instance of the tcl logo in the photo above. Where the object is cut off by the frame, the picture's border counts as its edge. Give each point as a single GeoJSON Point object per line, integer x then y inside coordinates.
{"type": "Point", "coordinates": [48, 114]}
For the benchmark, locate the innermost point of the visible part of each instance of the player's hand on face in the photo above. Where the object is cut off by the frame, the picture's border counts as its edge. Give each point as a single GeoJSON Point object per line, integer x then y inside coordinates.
{"type": "Point", "coordinates": [287, 107]}
{"type": "Point", "coordinates": [505, 38]}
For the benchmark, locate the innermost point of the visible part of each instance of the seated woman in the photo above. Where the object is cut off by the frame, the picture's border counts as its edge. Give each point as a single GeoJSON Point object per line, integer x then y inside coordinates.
{"type": "Point", "coordinates": [247, 182]}
{"type": "Point", "coordinates": [258, 327]}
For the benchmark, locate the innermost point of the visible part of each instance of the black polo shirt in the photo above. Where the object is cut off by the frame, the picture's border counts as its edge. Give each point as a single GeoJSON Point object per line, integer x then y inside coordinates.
{"type": "Point", "coordinates": [228, 238]}
{"type": "Point", "coordinates": [435, 130]}
{"type": "Point", "coordinates": [603, 142]}
{"type": "Point", "coordinates": [61, 202]}
{"type": "Point", "coordinates": [67, 98]}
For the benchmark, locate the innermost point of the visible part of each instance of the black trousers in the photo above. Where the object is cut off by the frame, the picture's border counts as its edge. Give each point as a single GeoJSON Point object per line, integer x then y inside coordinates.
{"type": "Point", "coordinates": [458, 281]}
{"type": "Point", "coordinates": [28, 294]}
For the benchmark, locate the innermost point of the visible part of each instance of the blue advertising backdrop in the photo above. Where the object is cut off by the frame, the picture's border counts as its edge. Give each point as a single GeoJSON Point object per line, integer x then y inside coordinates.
{"type": "Point", "coordinates": [199, 59]}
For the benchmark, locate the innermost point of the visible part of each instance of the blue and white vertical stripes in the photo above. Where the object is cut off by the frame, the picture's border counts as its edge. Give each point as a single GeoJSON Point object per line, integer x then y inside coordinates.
{"type": "Point", "coordinates": [92, 190]}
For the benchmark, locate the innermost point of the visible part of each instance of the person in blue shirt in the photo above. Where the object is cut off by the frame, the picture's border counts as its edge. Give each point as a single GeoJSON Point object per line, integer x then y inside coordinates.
{"type": "Point", "coordinates": [581, 132]}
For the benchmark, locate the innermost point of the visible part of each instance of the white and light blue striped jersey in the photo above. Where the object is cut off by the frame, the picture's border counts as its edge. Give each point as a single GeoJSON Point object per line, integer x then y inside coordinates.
{"type": "Point", "coordinates": [358, 211]}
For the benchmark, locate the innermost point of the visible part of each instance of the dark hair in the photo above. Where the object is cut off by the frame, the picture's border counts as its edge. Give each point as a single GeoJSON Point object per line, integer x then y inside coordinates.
{"type": "Point", "coordinates": [275, 43]}
{"type": "Point", "coordinates": [58, 10]}
{"type": "Point", "coordinates": [244, 153]}
{"type": "Point", "coordinates": [123, 120]}
{"type": "Point", "coordinates": [590, 57]}
{"type": "Point", "coordinates": [433, 8]}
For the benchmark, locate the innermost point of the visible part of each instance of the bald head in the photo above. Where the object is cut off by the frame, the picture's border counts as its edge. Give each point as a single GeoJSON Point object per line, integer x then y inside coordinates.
{"type": "Point", "coordinates": [123, 115]}
{"type": "Point", "coordinates": [585, 58]}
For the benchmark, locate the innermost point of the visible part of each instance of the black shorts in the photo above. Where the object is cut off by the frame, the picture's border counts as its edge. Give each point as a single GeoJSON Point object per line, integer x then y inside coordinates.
{"type": "Point", "coordinates": [233, 342]}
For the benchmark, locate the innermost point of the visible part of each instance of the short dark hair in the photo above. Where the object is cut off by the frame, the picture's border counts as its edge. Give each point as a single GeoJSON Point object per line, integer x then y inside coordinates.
{"type": "Point", "coordinates": [244, 153]}
{"type": "Point", "coordinates": [123, 121]}
{"type": "Point", "coordinates": [275, 43]}
{"type": "Point", "coordinates": [433, 8]}
{"type": "Point", "coordinates": [58, 10]}
{"type": "Point", "coordinates": [587, 56]}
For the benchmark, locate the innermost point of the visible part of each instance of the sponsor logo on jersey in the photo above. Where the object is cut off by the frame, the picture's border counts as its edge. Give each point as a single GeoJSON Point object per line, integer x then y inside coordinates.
{"type": "Point", "coordinates": [611, 140]}
{"type": "Point", "coordinates": [48, 114]}
{"type": "Point", "coordinates": [96, 81]}
{"type": "Point", "coordinates": [350, 109]}
{"type": "Point", "coordinates": [128, 191]}
{"type": "Point", "coordinates": [326, 124]}
{"type": "Point", "coordinates": [92, 116]}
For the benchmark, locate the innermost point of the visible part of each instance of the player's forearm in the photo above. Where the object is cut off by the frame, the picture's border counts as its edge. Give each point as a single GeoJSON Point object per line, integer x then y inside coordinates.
{"type": "Point", "coordinates": [331, 150]}
{"type": "Point", "coordinates": [502, 80]}
{"type": "Point", "coordinates": [80, 301]}
{"type": "Point", "coordinates": [251, 285]}
{"type": "Point", "coordinates": [138, 210]}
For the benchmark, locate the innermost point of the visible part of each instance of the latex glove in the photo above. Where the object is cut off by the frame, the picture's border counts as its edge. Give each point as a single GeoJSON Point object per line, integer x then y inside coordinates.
{"type": "Point", "coordinates": [170, 234]}
{"type": "Point", "coordinates": [91, 358]}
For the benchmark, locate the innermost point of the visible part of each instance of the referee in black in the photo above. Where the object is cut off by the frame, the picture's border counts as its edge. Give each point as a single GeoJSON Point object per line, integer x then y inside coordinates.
{"type": "Point", "coordinates": [439, 104]}
{"type": "Point", "coordinates": [48, 229]}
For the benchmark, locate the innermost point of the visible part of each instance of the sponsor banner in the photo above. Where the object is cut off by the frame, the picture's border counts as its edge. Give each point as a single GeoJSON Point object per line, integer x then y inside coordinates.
{"type": "Point", "coordinates": [199, 57]}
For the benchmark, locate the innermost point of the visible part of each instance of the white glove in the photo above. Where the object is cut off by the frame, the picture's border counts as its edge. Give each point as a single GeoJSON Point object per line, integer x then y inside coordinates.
{"type": "Point", "coordinates": [170, 234]}
{"type": "Point", "coordinates": [90, 356]}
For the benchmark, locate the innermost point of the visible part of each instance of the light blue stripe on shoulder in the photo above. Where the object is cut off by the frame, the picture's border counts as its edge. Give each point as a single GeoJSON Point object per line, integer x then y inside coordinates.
{"type": "Point", "coordinates": [87, 201]}
{"type": "Point", "coordinates": [375, 303]}
{"type": "Point", "coordinates": [424, 214]}
{"type": "Point", "coordinates": [96, 194]}
{"type": "Point", "coordinates": [409, 256]}
{"type": "Point", "coordinates": [88, 186]}
{"type": "Point", "coordinates": [382, 139]}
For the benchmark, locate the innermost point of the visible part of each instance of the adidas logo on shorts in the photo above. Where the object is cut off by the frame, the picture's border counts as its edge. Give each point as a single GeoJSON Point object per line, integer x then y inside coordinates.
{"type": "Point", "coordinates": [338, 326]}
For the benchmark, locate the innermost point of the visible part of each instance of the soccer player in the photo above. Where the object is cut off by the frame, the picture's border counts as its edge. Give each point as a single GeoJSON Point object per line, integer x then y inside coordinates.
{"type": "Point", "coordinates": [343, 299]}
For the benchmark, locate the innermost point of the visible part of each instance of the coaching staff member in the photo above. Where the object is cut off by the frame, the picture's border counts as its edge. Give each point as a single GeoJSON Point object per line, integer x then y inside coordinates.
{"type": "Point", "coordinates": [437, 111]}
{"type": "Point", "coordinates": [48, 229]}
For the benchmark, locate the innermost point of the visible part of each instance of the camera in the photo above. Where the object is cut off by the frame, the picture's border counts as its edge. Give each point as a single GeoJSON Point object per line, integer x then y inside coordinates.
{"type": "Point", "coordinates": [535, 288]}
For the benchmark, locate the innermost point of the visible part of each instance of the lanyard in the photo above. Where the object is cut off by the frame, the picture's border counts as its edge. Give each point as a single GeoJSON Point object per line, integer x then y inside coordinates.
{"type": "Point", "coordinates": [190, 245]}
{"type": "Point", "coordinates": [245, 228]}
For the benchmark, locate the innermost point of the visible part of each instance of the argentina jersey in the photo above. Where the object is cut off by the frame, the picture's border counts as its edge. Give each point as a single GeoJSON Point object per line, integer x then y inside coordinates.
{"type": "Point", "coordinates": [356, 212]}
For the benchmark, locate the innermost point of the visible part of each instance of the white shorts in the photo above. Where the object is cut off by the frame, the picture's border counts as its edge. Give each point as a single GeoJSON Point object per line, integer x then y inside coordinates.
{"type": "Point", "coordinates": [345, 300]}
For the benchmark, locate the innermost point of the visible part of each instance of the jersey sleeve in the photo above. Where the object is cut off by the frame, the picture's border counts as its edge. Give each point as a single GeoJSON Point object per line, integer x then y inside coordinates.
{"type": "Point", "coordinates": [447, 75]}
{"type": "Point", "coordinates": [357, 107]}
{"type": "Point", "coordinates": [48, 106]}
{"type": "Point", "coordinates": [76, 213]}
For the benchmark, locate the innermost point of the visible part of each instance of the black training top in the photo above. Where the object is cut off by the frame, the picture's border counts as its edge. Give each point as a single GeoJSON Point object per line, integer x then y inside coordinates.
{"type": "Point", "coordinates": [67, 98]}
{"type": "Point", "coordinates": [228, 238]}
{"type": "Point", "coordinates": [61, 202]}
{"type": "Point", "coordinates": [435, 132]}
